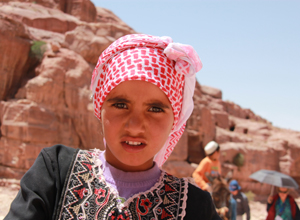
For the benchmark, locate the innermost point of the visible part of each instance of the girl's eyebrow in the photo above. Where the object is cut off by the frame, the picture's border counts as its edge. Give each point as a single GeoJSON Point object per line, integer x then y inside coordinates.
{"type": "Point", "coordinates": [118, 99]}
{"type": "Point", "coordinates": [158, 103]}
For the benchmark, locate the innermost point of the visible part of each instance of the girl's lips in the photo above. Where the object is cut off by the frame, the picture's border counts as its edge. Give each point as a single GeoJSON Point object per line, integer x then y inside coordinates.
{"type": "Point", "coordinates": [133, 140]}
{"type": "Point", "coordinates": [135, 143]}
{"type": "Point", "coordinates": [133, 146]}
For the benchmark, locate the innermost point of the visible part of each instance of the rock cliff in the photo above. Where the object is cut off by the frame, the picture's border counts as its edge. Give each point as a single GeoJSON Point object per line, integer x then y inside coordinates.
{"type": "Point", "coordinates": [48, 51]}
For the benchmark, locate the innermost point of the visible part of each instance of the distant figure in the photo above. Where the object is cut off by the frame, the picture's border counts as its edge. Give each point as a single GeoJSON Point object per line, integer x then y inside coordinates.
{"type": "Point", "coordinates": [282, 206]}
{"type": "Point", "coordinates": [209, 166]}
{"type": "Point", "coordinates": [239, 202]}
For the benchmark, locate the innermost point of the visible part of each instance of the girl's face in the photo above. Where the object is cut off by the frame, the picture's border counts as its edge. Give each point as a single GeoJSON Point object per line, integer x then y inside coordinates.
{"type": "Point", "coordinates": [137, 119]}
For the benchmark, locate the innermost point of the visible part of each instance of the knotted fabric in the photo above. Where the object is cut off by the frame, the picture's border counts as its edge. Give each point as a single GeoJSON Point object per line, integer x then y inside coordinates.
{"type": "Point", "coordinates": [170, 66]}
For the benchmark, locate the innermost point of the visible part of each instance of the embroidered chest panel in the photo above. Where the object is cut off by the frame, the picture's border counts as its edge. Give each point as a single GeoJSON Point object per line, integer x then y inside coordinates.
{"type": "Point", "coordinates": [88, 196]}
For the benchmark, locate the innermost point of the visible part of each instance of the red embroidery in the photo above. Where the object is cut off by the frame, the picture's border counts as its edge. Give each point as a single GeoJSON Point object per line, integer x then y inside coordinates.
{"type": "Point", "coordinates": [88, 165]}
{"type": "Point", "coordinates": [100, 193]}
{"type": "Point", "coordinates": [81, 192]}
{"type": "Point", "coordinates": [146, 204]}
{"type": "Point", "coordinates": [165, 214]}
{"type": "Point", "coordinates": [168, 188]}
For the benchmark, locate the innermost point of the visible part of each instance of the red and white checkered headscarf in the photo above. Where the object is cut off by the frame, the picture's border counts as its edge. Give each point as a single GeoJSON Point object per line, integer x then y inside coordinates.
{"type": "Point", "coordinates": [170, 66]}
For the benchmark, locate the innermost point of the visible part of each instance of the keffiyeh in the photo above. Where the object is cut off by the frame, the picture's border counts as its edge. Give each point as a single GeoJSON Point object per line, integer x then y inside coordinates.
{"type": "Point", "coordinates": [170, 66]}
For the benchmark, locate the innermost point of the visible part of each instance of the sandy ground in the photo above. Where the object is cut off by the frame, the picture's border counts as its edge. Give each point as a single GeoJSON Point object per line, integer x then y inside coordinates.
{"type": "Point", "coordinates": [7, 194]}
{"type": "Point", "coordinates": [8, 191]}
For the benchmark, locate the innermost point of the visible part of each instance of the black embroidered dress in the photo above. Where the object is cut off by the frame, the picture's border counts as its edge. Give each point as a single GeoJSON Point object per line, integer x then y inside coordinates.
{"type": "Point", "coordinates": [66, 183]}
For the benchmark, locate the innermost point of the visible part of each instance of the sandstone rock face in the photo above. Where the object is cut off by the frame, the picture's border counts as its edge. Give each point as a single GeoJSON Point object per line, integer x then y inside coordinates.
{"type": "Point", "coordinates": [45, 3]}
{"type": "Point", "coordinates": [45, 100]}
{"type": "Point", "coordinates": [87, 40]}
{"type": "Point", "coordinates": [85, 10]}
{"type": "Point", "coordinates": [15, 47]}
{"type": "Point", "coordinates": [37, 16]}
{"type": "Point", "coordinates": [213, 92]}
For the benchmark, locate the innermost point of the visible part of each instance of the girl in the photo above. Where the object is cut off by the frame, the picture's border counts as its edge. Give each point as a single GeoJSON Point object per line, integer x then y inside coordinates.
{"type": "Point", "coordinates": [142, 93]}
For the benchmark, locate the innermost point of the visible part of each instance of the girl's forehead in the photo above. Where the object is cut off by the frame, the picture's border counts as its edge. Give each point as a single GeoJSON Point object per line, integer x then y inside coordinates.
{"type": "Point", "coordinates": [133, 83]}
{"type": "Point", "coordinates": [138, 88]}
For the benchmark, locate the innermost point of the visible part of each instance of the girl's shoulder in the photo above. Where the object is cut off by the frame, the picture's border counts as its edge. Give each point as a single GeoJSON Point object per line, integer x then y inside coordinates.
{"type": "Point", "coordinates": [59, 149]}
{"type": "Point", "coordinates": [199, 204]}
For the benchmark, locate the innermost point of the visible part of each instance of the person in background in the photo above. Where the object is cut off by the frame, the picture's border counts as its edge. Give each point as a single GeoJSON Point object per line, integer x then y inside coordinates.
{"type": "Point", "coordinates": [209, 166]}
{"type": "Point", "coordinates": [282, 206]}
{"type": "Point", "coordinates": [239, 202]}
{"type": "Point", "coordinates": [232, 210]}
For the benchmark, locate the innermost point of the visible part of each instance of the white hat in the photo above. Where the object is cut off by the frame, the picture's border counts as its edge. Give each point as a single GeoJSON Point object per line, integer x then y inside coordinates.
{"type": "Point", "coordinates": [211, 147]}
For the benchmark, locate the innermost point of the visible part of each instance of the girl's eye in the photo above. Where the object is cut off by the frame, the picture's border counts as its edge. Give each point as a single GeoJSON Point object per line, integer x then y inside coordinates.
{"type": "Point", "coordinates": [156, 109]}
{"type": "Point", "coordinates": [120, 105]}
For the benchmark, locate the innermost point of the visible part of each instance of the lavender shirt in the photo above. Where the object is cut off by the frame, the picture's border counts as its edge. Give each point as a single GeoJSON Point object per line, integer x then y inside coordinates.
{"type": "Point", "coordinates": [129, 183]}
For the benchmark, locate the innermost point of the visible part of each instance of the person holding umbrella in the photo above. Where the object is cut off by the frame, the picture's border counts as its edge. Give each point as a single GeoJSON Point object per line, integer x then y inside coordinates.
{"type": "Point", "coordinates": [282, 206]}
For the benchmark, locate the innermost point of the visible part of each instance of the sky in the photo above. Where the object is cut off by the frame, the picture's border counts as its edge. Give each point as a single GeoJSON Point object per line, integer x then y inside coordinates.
{"type": "Point", "coordinates": [250, 50]}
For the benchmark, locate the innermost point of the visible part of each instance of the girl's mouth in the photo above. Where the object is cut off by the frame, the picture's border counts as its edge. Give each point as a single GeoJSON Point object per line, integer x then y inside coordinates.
{"type": "Point", "coordinates": [133, 146]}
{"type": "Point", "coordinates": [133, 143]}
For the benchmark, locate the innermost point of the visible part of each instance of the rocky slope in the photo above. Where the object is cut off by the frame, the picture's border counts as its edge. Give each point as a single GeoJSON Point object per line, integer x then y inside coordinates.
{"type": "Point", "coordinates": [48, 51]}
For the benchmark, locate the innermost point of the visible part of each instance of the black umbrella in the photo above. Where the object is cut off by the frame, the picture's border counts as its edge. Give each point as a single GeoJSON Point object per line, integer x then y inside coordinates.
{"type": "Point", "coordinates": [274, 178]}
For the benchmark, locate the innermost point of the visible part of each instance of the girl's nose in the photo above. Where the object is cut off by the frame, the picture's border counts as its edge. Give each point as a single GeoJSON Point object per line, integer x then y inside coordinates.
{"type": "Point", "coordinates": [135, 123]}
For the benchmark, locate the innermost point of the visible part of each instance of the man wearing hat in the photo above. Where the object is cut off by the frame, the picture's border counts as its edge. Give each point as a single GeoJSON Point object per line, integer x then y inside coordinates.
{"type": "Point", "coordinates": [241, 200]}
{"type": "Point", "coordinates": [210, 165]}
